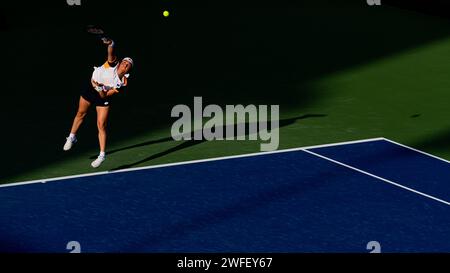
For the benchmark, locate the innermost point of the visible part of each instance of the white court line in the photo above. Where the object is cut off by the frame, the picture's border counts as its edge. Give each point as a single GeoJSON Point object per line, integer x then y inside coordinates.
{"type": "Point", "coordinates": [187, 162]}
{"type": "Point", "coordinates": [380, 178]}
{"type": "Point", "coordinates": [415, 150]}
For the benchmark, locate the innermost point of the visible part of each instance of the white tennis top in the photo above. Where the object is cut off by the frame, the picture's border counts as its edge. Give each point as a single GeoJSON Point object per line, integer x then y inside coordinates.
{"type": "Point", "coordinates": [107, 75]}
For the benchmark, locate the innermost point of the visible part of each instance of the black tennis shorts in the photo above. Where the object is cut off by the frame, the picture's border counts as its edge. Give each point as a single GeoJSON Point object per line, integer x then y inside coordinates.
{"type": "Point", "coordinates": [92, 96]}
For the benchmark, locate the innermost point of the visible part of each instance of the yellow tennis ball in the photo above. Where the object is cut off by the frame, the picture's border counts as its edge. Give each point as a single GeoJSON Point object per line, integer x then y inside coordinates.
{"type": "Point", "coordinates": [165, 13]}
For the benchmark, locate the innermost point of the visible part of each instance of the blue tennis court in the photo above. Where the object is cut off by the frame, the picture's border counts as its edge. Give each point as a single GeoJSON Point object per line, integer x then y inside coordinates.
{"type": "Point", "coordinates": [329, 198]}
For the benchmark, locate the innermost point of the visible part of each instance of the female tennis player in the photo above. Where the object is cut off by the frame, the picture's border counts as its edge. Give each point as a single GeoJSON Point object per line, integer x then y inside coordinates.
{"type": "Point", "coordinates": [106, 81]}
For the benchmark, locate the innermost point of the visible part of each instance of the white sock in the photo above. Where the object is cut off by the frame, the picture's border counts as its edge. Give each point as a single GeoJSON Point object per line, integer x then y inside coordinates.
{"type": "Point", "coordinates": [72, 136]}
{"type": "Point", "coordinates": [102, 154]}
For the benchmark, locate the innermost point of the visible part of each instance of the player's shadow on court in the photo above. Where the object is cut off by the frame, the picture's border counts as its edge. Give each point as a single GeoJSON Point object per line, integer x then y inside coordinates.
{"type": "Point", "coordinates": [166, 139]}
{"type": "Point", "coordinates": [190, 143]}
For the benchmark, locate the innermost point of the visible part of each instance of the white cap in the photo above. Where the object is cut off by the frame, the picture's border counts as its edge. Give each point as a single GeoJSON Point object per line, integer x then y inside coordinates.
{"type": "Point", "coordinates": [128, 59]}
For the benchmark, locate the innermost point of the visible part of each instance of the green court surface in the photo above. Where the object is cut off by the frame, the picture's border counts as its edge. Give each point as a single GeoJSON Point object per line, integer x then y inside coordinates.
{"type": "Point", "coordinates": [338, 72]}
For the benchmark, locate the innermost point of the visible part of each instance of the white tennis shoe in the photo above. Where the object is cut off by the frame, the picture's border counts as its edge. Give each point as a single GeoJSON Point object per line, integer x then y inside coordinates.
{"type": "Point", "coordinates": [96, 163]}
{"type": "Point", "coordinates": [69, 143]}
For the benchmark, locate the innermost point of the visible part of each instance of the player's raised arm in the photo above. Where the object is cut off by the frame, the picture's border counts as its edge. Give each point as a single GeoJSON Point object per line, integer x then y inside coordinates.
{"type": "Point", "coordinates": [111, 54]}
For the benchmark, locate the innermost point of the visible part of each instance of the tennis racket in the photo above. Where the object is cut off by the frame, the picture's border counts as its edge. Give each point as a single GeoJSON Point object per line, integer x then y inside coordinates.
{"type": "Point", "coordinates": [97, 31]}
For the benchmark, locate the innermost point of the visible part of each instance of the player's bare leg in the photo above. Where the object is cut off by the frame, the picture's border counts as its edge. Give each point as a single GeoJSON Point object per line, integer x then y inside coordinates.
{"type": "Point", "coordinates": [83, 107]}
{"type": "Point", "coordinates": [102, 116]}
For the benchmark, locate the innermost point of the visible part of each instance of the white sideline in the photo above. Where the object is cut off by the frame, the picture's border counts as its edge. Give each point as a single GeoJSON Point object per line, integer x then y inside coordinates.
{"type": "Point", "coordinates": [187, 162]}
{"type": "Point", "coordinates": [415, 150]}
{"type": "Point", "coordinates": [380, 178]}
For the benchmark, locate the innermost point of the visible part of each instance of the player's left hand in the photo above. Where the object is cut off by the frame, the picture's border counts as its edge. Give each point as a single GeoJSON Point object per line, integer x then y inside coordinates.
{"type": "Point", "coordinates": [106, 88]}
{"type": "Point", "coordinates": [107, 41]}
